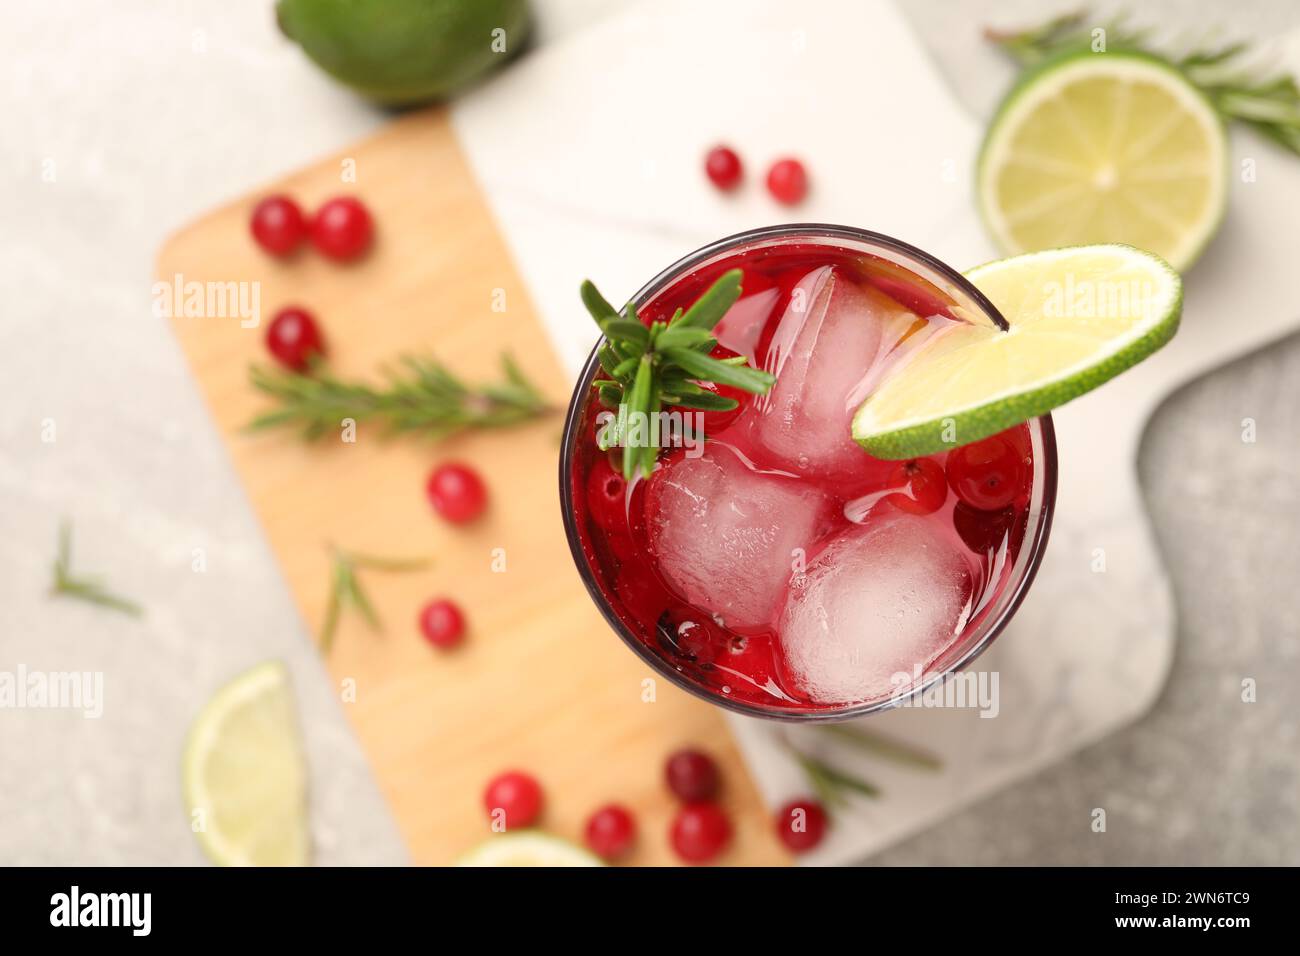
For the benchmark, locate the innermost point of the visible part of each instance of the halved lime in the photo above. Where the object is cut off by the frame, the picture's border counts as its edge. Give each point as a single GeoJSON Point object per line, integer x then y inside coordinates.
{"type": "Point", "coordinates": [1077, 317]}
{"type": "Point", "coordinates": [1104, 147]}
{"type": "Point", "coordinates": [244, 776]}
{"type": "Point", "coordinates": [531, 848]}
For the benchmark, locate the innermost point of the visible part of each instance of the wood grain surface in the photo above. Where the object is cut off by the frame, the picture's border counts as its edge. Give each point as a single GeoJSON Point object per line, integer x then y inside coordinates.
{"type": "Point", "coordinates": [541, 683]}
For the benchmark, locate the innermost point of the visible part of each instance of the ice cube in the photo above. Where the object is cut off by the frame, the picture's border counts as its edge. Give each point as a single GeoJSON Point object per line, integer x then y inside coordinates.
{"type": "Point", "coordinates": [877, 601]}
{"type": "Point", "coordinates": [831, 336]}
{"type": "Point", "coordinates": [726, 536]}
{"type": "Point", "coordinates": [742, 326]}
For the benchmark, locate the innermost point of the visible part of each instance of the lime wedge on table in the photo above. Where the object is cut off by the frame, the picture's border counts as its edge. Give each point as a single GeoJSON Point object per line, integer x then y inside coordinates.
{"type": "Point", "coordinates": [527, 849]}
{"type": "Point", "coordinates": [243, 771]}
{"type": "Point", "coordinates": [1104, 147]}
{"type": "Point", "coordinates": [1077, 317]}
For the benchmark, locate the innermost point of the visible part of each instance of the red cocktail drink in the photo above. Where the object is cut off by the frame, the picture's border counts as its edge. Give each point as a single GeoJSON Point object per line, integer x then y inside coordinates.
{"type": "Point", "coordinates": [768, 562]}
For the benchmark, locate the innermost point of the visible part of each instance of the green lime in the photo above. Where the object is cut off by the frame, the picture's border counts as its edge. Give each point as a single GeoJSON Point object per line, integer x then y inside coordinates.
{"type": "Point", "coordinates": [244, 776]}
{"type": "Point", "coordinates": [530, 848]}
{"type": "Point", "coordinates": [1104, 147]}
{"type": "Point", "coordinates": [1078, 317]}
{"type": "Point", "coordinates": [399, 52]}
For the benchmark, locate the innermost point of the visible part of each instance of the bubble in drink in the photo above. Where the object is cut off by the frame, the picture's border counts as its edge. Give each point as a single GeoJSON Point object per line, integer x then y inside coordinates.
{"type": "Point", "coordinates": [877, 601]}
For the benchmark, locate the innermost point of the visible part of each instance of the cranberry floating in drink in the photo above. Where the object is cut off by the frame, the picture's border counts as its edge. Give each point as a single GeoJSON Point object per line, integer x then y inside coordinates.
{"type": "Point", "coordinates": [729, 525]}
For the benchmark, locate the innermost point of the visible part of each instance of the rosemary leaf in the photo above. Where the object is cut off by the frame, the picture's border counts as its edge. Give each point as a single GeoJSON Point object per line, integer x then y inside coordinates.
{"type": "Point", "coordinates": [629, 331]}
{"type": "Point", "coordinates": [638, 402]}
{"type": "Point", "coordinates": [830, 785]}
{"type": "Point", "coordinates": [595, 302]}
{"type": "Point", "coordinates": [684, 336]}
{"type": "Point", "coordinates": [709, 308]}
{"type": "Point", "coordinates": [724, 373]}
{"type": "Point", "coordinates": [886, 747]}
{"type": "Point", "coordinates": [90, 590]}
{"type": "Point", "coordinates": [346, 590]}
{"type": "Point", "coordinates": [704, 401]}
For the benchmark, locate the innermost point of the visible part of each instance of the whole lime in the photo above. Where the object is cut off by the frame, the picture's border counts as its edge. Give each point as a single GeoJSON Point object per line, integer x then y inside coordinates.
{"type": "Point", "coordinates": [400, 52]}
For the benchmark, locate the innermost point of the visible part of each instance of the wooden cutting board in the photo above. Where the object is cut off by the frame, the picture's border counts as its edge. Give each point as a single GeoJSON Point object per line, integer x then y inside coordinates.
{"type": "Point", "coordinates": [541, 683]}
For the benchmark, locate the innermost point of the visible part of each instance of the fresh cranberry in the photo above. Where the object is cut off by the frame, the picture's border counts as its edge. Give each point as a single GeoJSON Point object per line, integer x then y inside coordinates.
{"type": "Point", "coordinates": [712, 422]}
{"type": "Point", "coordinates": [987, 474]}
{"type": "Point", "coordinates": [925, 486]}
{"type": "Point", "coordinates": [516, 794]}
{"type": "Point", "coordinates": [787, 181]}
{"type": "Point", "coordinates": [342, 228]}
{"type": "Point", "coordinates": [982, 531]}
{"type": "Point", "coordinates": [293, 338]}
{"type": "Point", "coordinates": [700, 832]}
{"type": "Point", "coordinates": [692, 776]}
{"type": "Point", "coordinates": [801, 824]}
{"type": "Point", "coordinates": [607, 495]}
{"type": "Point", "coordinates": [723, 167]}
{"type": "Point", "coordinates": [456, 492]}
{"type": "Point", "coordinates": [442, 623]}
{"type": "Point", "coordinates": [693, 635]}
{"type": "Point", "coordinates": [278, 225]}
{"type": "Point", "coordinates": [611, 831]}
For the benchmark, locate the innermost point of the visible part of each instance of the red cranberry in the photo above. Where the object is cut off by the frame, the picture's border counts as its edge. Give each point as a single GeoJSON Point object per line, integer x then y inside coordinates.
{"type": "Point", "coordinates": [787, 181]}
{"type": "Point", "coordinates": [294, 339]}
{"type": "Point", "coordinates": [987, 474]}
{"type": "Point", "coordinates": [611, 831]}
{"type": "Point", "coordinates": [692, 776]}
{"type": "Point", "coordinates": [723, 167]}
{"type": "Point", "coordinates": [607, 495]}
{"type": "Point", "coordinates": [692, 635]}
{"type": "Point", "coordinates": [801, 824]}
{"type": "Point", "coordinates": [700, 832]}
{"type": "Point", "coordinates": [982, 531]}
{"type": "Point", "coordinates": [925, 487]}
{"type": "Point", "coordinates": [710, 423]}
{"type": "Point", "coordinates": [278, 225]}
{"type": "Point", "coordinates": [442, 623]}
{"type": "Point", "coordinates": [456, 492]}
{"type": "Point", "coordinates": [342, 228]}
{"type": "Point", "coordinates": [516, 794]}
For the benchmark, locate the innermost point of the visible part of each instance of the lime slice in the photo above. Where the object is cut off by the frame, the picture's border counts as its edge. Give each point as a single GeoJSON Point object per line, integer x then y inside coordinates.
{"type": "Point", "coordinates": [1077, 317]}
{"type": "Point", "coordinates": [244, 776]}
{"type": "Point", "coordinates": [1104, 147]}
{"type": "Point", "coordinates": [527, 849]}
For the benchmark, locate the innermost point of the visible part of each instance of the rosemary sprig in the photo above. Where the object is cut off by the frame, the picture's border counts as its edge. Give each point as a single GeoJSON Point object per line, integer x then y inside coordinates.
{"type": "Point", "coordinates": [650, 366]}
{"type": "Point", "coordinates": [1268, 102]}
{"type": "Point", "coordinates": [346, 590]}
{"type": "Point", "coordinates": [832, 786]}
{"type": "Point", "coordinates": [881, 746]}
{"type": "Point", "coordinates": [66, 584]}
{"type": "Point", "coordinates": [419, 395]}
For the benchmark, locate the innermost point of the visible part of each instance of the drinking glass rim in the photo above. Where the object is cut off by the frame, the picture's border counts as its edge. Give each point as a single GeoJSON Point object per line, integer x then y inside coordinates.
{"type": "Point", "coordinates": [1020, 588]}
